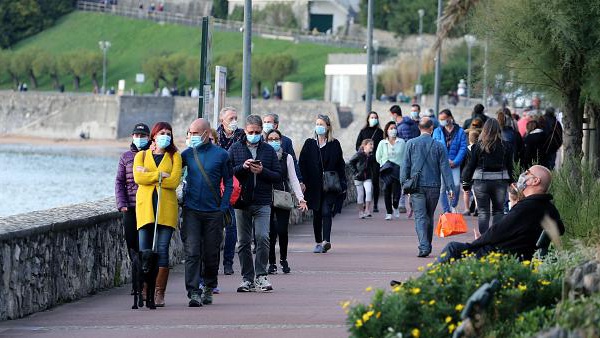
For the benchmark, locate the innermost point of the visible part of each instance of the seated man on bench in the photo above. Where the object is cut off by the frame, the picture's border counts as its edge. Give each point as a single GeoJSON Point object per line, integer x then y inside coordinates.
{"type": "Point", "coordinates": [519, 230]}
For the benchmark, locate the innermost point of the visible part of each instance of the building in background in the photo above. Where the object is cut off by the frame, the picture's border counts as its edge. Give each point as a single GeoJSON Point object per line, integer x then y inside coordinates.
{"type": "Point", "coordinates": [346, 78]}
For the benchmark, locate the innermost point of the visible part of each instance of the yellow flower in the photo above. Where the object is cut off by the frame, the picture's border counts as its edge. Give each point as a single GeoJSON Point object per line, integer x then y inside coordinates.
{"type": "Point", "coordinates": [545, 282]}
{"type": "Point", "coordinates": [520, 318]}
{"type": "Point", "coordinates": [452, 260]}
{"type": "Point", "coordinates": [359, 323]}
{"type": "Point", "coordinates": [367, 316]}
{"type": "Point", "coordinates": [420, 268]}
{"type": "Point", "coordinates": [522, 287]}
{"type": "Point", "coordinates": [397, 288]}
{"type": "Point", "coordinates": [444, 254]}
{"type": "Point", "coordinates": [459, 307]}
{"type": "Point", "coordinates": [378, 315]}
{"type": "Point", "coordinates": [369, 289]}
{"type": "Point", "coordinates": [448, 319]}
{"type": "Point", "coordinates": [439, 280]}
{"type": "Point", "coordinates": [432, 302]}
{"type": "Point", "coordinates": [451, 328]}
{"type": "Point", "coordinates": [526, 263]}
{"type": "Point", "coordinates": [429, 265]}
{"type": "Point", "coordinates": [415, 291]}
{"type": "Point", "coordinates": [449, 279]}
{"type": "Point", "coordinates": [415, 333]}
{"type": "Point", "coordinates": [345, 304]}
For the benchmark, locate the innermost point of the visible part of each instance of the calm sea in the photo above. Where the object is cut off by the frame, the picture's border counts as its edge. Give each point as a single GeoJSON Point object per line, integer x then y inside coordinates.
{"type": "Point", "coordinates": [46, 176]}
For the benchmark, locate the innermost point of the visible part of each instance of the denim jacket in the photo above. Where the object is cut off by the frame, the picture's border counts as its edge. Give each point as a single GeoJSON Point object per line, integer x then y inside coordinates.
{"type": "Point", "coordinates": [436, 163]}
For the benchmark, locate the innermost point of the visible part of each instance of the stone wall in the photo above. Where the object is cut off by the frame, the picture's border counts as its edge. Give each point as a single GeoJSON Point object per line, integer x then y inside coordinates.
{"type": "Point", "coordinates": [59, 255]}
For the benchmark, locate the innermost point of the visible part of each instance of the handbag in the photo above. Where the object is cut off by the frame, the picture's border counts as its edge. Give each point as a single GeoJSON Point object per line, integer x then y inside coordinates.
{"type": "Point", "coordinates": [283, 199]}
{"type": "Point", "coordinates": [450, 224]}
{"type": "Point", "coordinates": [227, 219]}
{"type": "Point", "coordinates": [331, 179]}
{"type": "Point", "coordinates": [411, 185]}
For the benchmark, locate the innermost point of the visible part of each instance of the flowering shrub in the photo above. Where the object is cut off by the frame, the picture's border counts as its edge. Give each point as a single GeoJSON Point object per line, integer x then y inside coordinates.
{"type": "Point", "coordinates": [430, 305]}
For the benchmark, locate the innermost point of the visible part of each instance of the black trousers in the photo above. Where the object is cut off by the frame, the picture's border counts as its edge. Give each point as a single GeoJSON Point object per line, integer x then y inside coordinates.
{"type": "Point", "coordinates": [376, 185]}
{"type": "Point", "coordinates": [131, 232]}
{"type": "Point", "coordinates": [322, 218]}
{"type": "Point", "coordinates": [280, 219]}
{"type": "Point", "coordinates": [202, 247]}
{"type": "Point", "coordinates": [391, 195]}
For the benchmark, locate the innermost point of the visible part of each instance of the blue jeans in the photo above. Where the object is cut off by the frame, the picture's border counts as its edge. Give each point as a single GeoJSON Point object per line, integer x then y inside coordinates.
{"type": "Point", "coordinates": [444, 197]}
{"type": "Point", "coordinates": [424, 203]}
{"type": "Point", "coordinates": [230, 240]}
{"type": "Point", "coordinates": [489, 192]}
{"type": "Point", "coordinates": [255, 217]}
{"type": "Point", "coordinates": [164, 233]}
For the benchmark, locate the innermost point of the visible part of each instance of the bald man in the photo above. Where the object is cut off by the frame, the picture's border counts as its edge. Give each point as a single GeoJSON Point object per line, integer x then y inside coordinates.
{"type": "Point", "coordinates": [203, 210]}
{"type": "Point", "coordinates": [518, 232]}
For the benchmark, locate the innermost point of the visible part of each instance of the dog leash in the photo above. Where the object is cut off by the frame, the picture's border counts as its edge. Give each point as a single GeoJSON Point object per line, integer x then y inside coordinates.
{"type": "Point", "coordinates": [157, 212]}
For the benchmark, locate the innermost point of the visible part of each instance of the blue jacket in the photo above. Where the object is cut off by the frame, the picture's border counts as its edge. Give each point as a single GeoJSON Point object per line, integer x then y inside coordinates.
{"type": "Point", "coordinates": [198, 195]}
{"type": "Point", "coordinates": [435, 166]}
{"type": "Point", "coordinates": [457, 149]}
{"type": "Point", "coordinates": [408, 129]}
{"type": "Point", "coordinates": [256, 189]}
{"type": "Point", "coordinates": [288, 147]}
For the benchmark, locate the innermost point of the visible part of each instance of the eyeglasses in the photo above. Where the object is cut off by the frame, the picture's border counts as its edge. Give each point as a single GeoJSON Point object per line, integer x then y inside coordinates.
{"type": "Point", "coordinates": [528, 172]}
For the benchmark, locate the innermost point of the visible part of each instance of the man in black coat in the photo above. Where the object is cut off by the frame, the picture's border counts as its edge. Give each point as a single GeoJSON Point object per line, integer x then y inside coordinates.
{"type": "Point", "coordinates": [256, 167]}
{"type": "Point", "coordinates": [518, 232]}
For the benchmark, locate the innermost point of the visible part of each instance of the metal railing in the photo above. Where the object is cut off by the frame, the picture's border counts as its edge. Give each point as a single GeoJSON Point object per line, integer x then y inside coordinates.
{"type": "Point", "coordinates": [265, 31]}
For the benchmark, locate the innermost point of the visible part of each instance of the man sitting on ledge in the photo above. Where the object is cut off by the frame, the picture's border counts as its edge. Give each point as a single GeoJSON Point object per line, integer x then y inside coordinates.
{"type": "Point", "coordinates": [519, 230]}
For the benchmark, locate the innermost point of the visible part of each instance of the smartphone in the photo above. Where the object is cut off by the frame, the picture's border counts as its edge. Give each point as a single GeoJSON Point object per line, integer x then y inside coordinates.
{"type": "Point", "coordinates": [257, 162]}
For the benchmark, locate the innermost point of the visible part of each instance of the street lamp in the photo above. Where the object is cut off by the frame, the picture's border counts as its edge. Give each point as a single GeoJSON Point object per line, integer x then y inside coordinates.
{"type": "Point", "coordinates": [419, 88]}
{"type": "Point", "coordinates": [104, 46]}
{"type": "Point", "coordinates": [470, 40]}
{"type": "Point", "coordinates": [376, 50]}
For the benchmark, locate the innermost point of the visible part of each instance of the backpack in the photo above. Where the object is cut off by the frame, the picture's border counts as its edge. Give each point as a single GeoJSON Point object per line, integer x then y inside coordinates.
{"type": "Point", "coordinates": [237, 191]}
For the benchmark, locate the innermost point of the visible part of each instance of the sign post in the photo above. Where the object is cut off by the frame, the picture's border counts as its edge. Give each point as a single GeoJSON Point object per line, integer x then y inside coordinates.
{"type": "Point", "coordinates": [205, 64]}
{"type": "Point", "coordinates": [220, 92]}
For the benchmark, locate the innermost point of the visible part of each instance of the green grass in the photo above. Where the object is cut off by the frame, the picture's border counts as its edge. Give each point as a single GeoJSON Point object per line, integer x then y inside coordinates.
{"type": "Point", "coordinates": [133, 41]}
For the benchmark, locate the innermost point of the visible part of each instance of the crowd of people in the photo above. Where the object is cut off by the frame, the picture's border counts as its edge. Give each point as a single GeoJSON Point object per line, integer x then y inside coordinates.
{"type": "Point", "coordinates": [238, 187]}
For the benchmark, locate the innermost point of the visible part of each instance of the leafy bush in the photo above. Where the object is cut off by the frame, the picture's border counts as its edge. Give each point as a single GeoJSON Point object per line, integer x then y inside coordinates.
{"type": "Point", "coordinates": [581, 314]}
{"type": "Point", "coordinates": [578, 201]}
{"type": "Point", "coordinates": [430, 305]}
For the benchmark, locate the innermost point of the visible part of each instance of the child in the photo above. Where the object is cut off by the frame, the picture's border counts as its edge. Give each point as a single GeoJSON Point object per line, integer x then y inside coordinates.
{"type": "Point", "coordinates": [473, 136]}
{"type": "Point", "coordinates": [362, 165]}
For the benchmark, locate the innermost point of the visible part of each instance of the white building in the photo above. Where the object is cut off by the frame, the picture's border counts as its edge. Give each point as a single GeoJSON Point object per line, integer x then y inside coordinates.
{"type": "Point", "coordinates": [324, 15]}
{"type": "Point", "coordinates": [346, 78]}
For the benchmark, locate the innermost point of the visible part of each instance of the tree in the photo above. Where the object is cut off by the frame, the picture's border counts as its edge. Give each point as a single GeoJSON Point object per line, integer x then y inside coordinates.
{"type": "Point", "coordinates": [93, 66]}
{"type": "Point", "coordinates": [173, 67]}
{"type": "Point", "coordinates": [455, 67]}
{"type": "Point", "coordinates": [272, 68]}
{"type": "Point", "coordinates": [219, 9]}
{"type": "Point", "coordinates": [75, 64]}
{"type": "Point", "coordinates": [557, 50]}
{"type": "Point", "coordinates": [153, 68]}
{"type": "Point", "coordinates": [276, 14]}
{"type": "Point", "coordinates": [233, 62]}
{"type": "Point", "coordinates": [191, 70]}
{"type": "Point", "coordinates": [45, 63]}
{"type": "Point", "coordinates": [22, 64]}
{"type": "Point", "coordinates": [6, 66]}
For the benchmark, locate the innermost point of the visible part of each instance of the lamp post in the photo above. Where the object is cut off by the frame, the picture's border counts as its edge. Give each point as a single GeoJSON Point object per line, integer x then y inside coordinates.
{"type": "Point", "coordinates": [369, 96]}
{"type": "Point", "coordinates": [438, 63]}
{"type": "Point", "coordinates": [419, 88]}
{"type": "Point", "coordinates": [470, 40]}
{"type": "Point", "coordinates": [104, 46]}
{"type": "Point", "coordinates": [247, 62]}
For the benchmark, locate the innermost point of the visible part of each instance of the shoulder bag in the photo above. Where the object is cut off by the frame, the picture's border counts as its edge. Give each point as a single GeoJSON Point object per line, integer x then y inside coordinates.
{"type": "Point", "coordinates": [411, 185]}
{"type": "Point", "coordinates": [282, 199]}
{"type": "Point", "coordinates": [331, 179]}
{"type": "Point", "coordinates": [227, 219]}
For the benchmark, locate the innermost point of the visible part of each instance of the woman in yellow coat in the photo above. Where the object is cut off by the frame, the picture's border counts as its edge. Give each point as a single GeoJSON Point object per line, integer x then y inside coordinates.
{"type": "Point", "coordinates": [161, 160]}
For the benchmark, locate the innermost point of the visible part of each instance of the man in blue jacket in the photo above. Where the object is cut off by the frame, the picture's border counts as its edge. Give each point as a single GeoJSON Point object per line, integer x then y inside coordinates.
{"type": "Point", "coordinates": [204, 210]}
{"type": "Point", "coordinates": [256, 167]}
{"type": "Point", "coordinates": [426, 156]}
{"type": "Point", "coordinates": [454, 140]}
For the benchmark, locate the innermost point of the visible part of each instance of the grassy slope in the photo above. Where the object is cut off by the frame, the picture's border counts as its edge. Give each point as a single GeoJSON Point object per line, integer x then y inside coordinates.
{"type": "Point", "coordinates": [135, 40]}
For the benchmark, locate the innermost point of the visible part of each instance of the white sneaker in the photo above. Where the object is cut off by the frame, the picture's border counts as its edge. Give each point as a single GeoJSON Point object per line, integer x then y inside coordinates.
{"type": "Point", "coordinates": [388, 217]}
{"type": "Point", "coordinates": [262, 284]}
{"type": "Point", "coordinates": [396, 213]}
{"type": "Point", "coordinates": [361, 215]}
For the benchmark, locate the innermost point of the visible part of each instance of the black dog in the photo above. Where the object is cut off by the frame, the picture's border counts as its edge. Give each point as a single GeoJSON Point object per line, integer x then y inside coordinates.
{"type": "Point", "coordinates": [147, 272]}
{"type": "Point", "coordinates": [136, 286]}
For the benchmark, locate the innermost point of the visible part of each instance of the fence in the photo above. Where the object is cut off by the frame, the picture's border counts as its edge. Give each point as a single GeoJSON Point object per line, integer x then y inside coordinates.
{"type": "Point", "coordinates": [264, 31]}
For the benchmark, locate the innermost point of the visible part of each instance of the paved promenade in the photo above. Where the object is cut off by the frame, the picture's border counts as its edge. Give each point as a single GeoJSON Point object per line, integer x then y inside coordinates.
{"type": "Point", "coordinates": [304, 303]}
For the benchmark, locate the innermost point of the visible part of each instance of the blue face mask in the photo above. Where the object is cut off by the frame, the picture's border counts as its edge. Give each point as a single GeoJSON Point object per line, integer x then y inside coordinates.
{"type": "Point", "coordinates": [140, 142]}
{"type": "Point", "coordinates": [196, 140]}
{"type": "Point", "coordinates": [414, 115]}
{"type": "Point", "coordinates": [267, 127]}
{"type": "Point", "coordinates": [275, 144]}
{"type": "Point", "coordinates": [163, 141]}
{"type": "Point", "coordinates": [373, 122]}
{"type": "Point", "coordinates": [320, 130]}
{"type": "Point", "coordinates": [254, 139]}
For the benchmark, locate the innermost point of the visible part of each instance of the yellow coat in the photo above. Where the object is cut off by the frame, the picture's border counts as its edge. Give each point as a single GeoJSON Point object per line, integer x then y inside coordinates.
{"type": "Point", "coordinates": [148, 182]}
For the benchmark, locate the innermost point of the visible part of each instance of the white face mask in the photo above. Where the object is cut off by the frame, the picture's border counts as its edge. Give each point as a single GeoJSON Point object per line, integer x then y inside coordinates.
{"type": "Point", "coordinates": [392, 133]}
{"type": "Point", "coordinates": [233, 125]}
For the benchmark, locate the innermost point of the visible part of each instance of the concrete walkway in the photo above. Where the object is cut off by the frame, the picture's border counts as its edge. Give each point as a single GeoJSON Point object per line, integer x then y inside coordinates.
{"type": "Point", "coordinates": [304, 303]}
